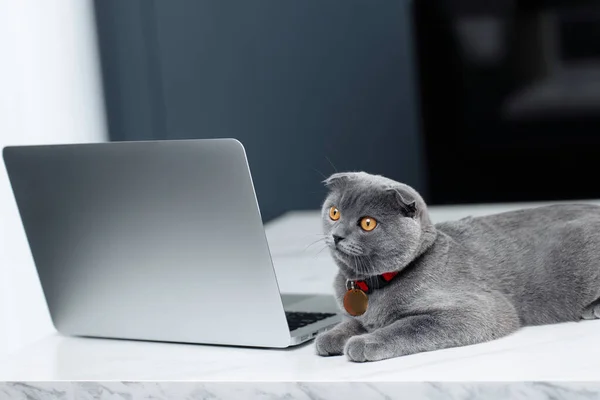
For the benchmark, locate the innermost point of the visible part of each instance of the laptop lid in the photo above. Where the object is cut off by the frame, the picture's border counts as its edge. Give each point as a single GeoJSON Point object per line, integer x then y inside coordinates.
{"type": "Point", "coordinates": [149, 240]}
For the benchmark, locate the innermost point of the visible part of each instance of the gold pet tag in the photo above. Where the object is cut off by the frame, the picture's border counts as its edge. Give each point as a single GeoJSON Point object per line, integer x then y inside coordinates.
{"type": "Point", "coordinates": [356, 302]}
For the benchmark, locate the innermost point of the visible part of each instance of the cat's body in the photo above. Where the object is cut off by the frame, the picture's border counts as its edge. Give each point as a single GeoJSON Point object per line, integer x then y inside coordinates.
{"type": "Point", "coordinates": [464, 282]}
{"type": "Point", "coordinates": [545, 260]}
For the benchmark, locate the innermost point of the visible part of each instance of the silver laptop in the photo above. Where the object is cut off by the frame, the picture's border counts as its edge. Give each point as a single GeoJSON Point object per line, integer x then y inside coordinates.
{"type": "Point", "coordinates": [158, 241]}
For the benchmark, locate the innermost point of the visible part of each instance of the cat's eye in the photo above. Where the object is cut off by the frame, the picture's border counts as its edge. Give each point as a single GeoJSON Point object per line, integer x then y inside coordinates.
{"type": "Point", "coordinates": [368, 224]}
{"type": "Point", "coordinates": [334, 213]}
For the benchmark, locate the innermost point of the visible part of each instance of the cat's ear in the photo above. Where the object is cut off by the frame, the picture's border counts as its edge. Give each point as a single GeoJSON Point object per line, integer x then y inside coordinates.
{"type": "Point", "coordinates": [338, 180]}
{"type": "Point", "coordinates": [406, 205]}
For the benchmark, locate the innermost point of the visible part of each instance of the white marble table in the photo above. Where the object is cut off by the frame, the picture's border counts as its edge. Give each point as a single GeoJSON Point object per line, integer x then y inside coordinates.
{"type": "Point", "coordinates": [557, 357]}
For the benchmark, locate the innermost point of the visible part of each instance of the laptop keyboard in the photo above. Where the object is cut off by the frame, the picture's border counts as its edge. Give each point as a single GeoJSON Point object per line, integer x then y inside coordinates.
{"type": "Point", "coordinates": [300, 319]}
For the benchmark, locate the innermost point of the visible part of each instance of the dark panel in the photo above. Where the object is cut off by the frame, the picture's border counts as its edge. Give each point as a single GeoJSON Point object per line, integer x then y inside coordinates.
{"type": "Point", "coordinates": [510, 99]}
{"type": "Point", "coordinates": [296, 81]}
{"type": "Point", "coordinates": [126, 35]}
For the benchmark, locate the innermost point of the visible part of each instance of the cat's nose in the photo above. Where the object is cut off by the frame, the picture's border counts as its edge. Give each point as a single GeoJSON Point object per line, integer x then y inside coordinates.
{"type": "Point", "coordinates": [337, 239]}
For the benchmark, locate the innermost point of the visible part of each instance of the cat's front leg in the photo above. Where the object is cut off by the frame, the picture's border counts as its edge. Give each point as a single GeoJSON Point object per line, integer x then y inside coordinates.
{"type": "Point", "coordinates": [332, 342]}
{"type": "Point", "coordinates": [426, 332]}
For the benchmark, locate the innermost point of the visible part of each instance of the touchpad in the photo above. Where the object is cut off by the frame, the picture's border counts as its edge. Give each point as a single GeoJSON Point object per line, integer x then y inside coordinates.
{"type": "Point", "coordinates": [309, 303]}
{"type": "Point", "coordinates": [290, 299]}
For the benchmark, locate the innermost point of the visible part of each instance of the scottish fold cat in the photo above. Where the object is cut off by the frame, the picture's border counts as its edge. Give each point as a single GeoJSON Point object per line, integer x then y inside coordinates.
{"type": "Point", "coordinates": [457, 283]}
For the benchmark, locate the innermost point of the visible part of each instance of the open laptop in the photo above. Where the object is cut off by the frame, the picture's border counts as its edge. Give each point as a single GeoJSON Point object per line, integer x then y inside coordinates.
{"type": "Point", "coordinates": [160, 241]}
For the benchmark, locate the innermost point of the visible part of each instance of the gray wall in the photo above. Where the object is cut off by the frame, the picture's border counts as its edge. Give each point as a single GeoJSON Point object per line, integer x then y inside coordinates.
{"type": "Point", "coordinates": [296, 81]}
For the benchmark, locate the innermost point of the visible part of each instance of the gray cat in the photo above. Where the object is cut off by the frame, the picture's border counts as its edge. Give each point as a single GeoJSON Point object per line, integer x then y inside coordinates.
{"type": "Point", "coordinates": [459, 283]}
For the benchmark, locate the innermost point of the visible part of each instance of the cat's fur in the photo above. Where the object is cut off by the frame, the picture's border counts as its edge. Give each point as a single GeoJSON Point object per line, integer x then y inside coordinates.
{"type": "Point", "coordinates": [461, 282]}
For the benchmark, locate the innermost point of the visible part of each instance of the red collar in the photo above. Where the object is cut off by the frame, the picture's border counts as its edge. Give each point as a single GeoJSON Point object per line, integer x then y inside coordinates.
{"type": "Point", "coordinates": [373, 282]}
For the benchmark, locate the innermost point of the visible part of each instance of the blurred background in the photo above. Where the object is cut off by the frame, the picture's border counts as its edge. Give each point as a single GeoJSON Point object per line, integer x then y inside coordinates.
{"type": "Point", "coordinates": [465, 100]}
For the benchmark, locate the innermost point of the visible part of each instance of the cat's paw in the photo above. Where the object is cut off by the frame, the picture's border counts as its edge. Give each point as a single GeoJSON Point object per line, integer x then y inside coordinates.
{"type": "Point", "coordinates": [592, 311]}
{"type": "Point", "coordinates": [367, 347]}
{"type": "Point", "coordinates": [331, 343]}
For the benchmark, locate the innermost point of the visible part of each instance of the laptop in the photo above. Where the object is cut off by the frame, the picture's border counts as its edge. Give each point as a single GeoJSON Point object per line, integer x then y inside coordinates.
{"type": "Point", "coordinates": [158, 241]}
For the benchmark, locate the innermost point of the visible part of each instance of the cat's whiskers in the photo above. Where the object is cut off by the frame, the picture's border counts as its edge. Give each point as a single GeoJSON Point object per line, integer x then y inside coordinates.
{"type": "Point", "coordinates": [323, 239]}
{"type": "Point", "coordinates": [361, 265]}
{"type": "Point", "coordinates": [356, 267]}
{"type": "Point", "coordinates": [319, 172]}
{"type": "Point", "coordinates": [329, 161]}
{"type": "Point", "coordinates": [366, 268]}
{"type": "Point", "coordinates": [370, 261]}
{"type": "Point", "coordinates": [320, 251]}
{"type": "Point", "coordinates": [312, 235]}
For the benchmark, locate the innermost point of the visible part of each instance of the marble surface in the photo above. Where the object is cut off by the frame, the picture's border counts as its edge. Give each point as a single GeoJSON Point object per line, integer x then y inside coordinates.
{"type": "Point", "coordinates": [296, 390]}
{"type": "Point", "coordinates": [558, 355]}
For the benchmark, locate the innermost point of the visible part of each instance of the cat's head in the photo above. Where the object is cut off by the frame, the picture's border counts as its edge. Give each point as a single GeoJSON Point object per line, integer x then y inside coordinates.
{"type": "Point", "coordinates": [373, 224]}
